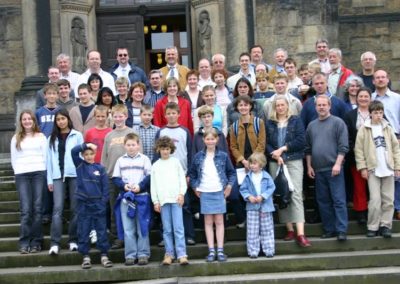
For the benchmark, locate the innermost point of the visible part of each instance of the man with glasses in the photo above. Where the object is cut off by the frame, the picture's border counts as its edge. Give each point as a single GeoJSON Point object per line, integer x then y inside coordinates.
{"type": "Point", "coordinates": [322, 49]}
{"type": "Point", "coordinates": [125, 68]}
{"type": "Point", "coordinates": [218, 63]}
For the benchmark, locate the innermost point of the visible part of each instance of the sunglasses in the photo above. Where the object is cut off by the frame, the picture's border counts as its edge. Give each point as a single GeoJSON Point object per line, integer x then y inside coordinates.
{"type": "Point", "coordinates": [123, 55]}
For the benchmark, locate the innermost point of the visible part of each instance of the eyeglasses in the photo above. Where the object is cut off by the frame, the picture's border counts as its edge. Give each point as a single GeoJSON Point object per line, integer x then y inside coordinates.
{"type": "Point", "coordinates": [218, 62]}
{"type": "Point", "coordinates": [123, 55]}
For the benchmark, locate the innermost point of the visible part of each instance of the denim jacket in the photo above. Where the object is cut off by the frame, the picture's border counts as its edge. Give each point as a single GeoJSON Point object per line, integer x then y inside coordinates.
{"type": "Point", "coordinates": [295, 139]}
{"type": "Point", "coordinates": [267, 189]}
{"type": "Point", "coordinates": [223, 164]}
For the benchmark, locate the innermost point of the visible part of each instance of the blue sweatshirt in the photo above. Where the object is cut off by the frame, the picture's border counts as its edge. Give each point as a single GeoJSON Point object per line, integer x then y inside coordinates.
{"type": "Point", "coordinates": [45, 119]}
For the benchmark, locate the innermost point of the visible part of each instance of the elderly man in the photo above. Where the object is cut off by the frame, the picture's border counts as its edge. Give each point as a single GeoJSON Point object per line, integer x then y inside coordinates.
{"type": "Point", "coordinates": [205, 74]}
{"type": "Point", "coordinates": [339, 74]}
{"type": "Point", "coordinates": [173, 69]}
{"type": "Point", "coordinates": [326, 147]}
{"type": "Point", "coordinates": [125, 68]}
{"type": "Point", "coordinates": [321, 48]}
{"type": "Point", "coordinates": [93, 62]}
{"type": "Point", "coordinates": [391, 103]}
{"type": "Point", "coordinates": [280, 55]}
{"type": "Point", "coordinates": [218, 63]}
{"type": "Point", "coordinates": [245, 71]}
{"type": "Point", "coordinates": [64, 65]}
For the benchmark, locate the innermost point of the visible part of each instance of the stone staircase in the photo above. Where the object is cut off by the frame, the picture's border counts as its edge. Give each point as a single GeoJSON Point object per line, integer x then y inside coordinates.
{"type": "Point", "coordinates": [362, 260]}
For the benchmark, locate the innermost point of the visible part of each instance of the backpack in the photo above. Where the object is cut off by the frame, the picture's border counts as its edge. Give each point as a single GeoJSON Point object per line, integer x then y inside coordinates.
{"type": "Point", "coordinates": [256, 125]}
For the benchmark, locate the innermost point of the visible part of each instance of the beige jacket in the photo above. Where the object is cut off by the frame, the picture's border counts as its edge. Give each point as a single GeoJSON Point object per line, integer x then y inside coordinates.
{"type": "Point", "coordinates": [76, 118]}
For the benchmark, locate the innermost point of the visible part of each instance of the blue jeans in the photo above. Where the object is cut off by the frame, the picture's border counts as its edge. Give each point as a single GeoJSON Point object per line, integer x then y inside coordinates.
{"type": "Point", "coordinates": [136, 245]}
{"type": "Point", "coordinates": [171, 215]}
{"type": "Point", "coordinates": [59, 188]}
{"type": "Point", "coordinates": [30, 191]}
{"type": "Point", "coordinates": [331, 198]}
{"type": "Point", "coordinates": [397, 195]}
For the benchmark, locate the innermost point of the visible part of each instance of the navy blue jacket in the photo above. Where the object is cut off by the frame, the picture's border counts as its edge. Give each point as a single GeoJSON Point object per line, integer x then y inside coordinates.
{"type": "Point", "coordinates": [135, 74]}
{"type": "Point", "coordinates": [295, 139]}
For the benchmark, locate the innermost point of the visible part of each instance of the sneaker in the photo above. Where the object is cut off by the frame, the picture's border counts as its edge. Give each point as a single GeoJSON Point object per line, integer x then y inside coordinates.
{"type": "Point", "coordinates": [221, 257]}
{"type": "Point", "coordinates": [302, 241]}
{"type": "Point", "coordinates": [371, 234]}
{"type": "Point", "coordinates": [143, 260]}
{"type": "Point", "coordinates": [73, 247]}
{"type": "Point", "coordinates": [93, 236]}
{"type": "Point", "coordinates": [86, 263]}
{"type": "Point", "coordinates": [269, 255]}
{"type": "Point", "coordinates": [130, 261]}
{"type": "Point", "coordinates": [190, 242]}
{"type": "Point", "coordinates": [183, 260]}
{"type": "Point", "coordinates": [106, 262]}
{"type": "Point", "coordinates": [289, 236]}
{"type": "Point", "coordinates": [241, 225]}
{"type": "Point", "coordinates": [254, 256]}
{"type": "Point", "coordinates": [211, 256]}
{"type": "Point", "coordinates": [341, 237]}
{"type": "Point", "coordinates": [167, 260]}
{"type": "Point", "coordinates": [53, 250]}
{"type": "Point", "coordinates": [118, 244]}
{"type": "Point", "coordinates": [24, 250]}
{"type": "Point", "coordinates": [35, 249]}
{"type": "Point", "coordinates": [386, 232]}
{"type": "Point", "coordinates": [161, 244]}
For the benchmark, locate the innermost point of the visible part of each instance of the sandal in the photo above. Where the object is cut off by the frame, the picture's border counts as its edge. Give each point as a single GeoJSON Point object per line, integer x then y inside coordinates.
{"type": "Point", "coordinates": [86, 264]}
{"type": "Point", "coordinates": [106, 262]}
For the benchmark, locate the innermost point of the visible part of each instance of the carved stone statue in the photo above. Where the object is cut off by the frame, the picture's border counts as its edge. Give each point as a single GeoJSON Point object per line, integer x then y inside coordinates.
{"type": "Point", "coordinates": [204, 34]}
{"type": "Point", "coordinates": [79, 44]}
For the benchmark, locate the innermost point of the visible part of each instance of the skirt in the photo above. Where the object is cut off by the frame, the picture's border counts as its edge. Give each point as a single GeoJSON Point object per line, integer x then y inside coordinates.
{"type": "Point", "coordinates": [212, 203]}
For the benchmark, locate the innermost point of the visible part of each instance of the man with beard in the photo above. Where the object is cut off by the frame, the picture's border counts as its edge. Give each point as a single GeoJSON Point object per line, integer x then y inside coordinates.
{"type": "Point", "coordinates": [339, 73]}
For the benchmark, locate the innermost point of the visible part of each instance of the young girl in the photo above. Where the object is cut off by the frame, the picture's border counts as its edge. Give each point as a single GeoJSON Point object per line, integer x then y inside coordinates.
{"type": "Point", "coordinates": [257, 189]}
{"type": "Point", "coordinates": [168, 199]}
{"type": "Point", "coordinates": [28, 160]}
{"type": "Point", "coordinates": [107, 99]}
{"type": "Point", "coordinates": [136, 95]}
{"type": "Point", "coordinates": [212, 176]}
{"type": "Point", "coordinates": [61, 176]}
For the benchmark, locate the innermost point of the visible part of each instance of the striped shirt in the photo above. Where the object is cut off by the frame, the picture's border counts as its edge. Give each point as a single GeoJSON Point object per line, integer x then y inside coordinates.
{"type": "Point", "coordinates": [132, 170]}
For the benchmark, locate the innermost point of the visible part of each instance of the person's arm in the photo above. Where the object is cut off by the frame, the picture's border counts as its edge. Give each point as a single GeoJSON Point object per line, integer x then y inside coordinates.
{"type": "Point", "coordinates": [105, 185]}
{"type": "Point", "coordinates": [234, 147]}
{"type": "Point", "coordinates": [269, 190]}
{"type": "Point", "coordinates": [13, 152]}
{"type": "Point", "coordinates": [310, 170]}
{"type": "Point", "coordinates": [343, 147]}
{"type": "Point", "coordinates": [261, 139]}
{"type": "Point", "coordinates": [299, 141]}
{"type": "Point", "coordinates": [75, 154]}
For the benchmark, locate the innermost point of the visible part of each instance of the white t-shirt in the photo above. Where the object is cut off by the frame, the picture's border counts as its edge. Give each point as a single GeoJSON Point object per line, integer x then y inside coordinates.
{"type": "Point", "coordinates": [382, 169]}
{"type": "Point", "coordinates": [256, 179]}
{"type": "Point", "coordinates": [209, 180]}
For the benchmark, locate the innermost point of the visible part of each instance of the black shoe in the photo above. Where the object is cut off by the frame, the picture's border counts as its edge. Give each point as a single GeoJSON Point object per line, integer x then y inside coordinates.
{"type": "Point", "coordinates": [362, 217]}
{"type": "Point", "coordinates": [386, 232]}
{"type": "Point", "coordinates": [371, 234]}
{"type": "Point", "coordinates": [341, 237]}
{"type": "Point", "coordinates": [46, 221]}
{"type": "Point", "coordinates": [328, 235]}
{"type": "Point", "coordinates": [190, 242]}
{"type": "Point", "coordinates": [118, 244]}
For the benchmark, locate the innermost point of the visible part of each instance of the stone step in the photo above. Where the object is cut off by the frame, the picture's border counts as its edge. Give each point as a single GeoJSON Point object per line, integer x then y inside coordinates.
{"type": "Point", "coordinates": [7, 185]}
{"type": "Point", "coordinates": [234, 266]}
{"type": "Point", "coordinates": [199, 251]}
{"type": "Point", "coordinates": [9, 206]}
{"type": "Point", "coordinates": [8, 218]}
{"type": "Point", "coordinates": [9, 195]}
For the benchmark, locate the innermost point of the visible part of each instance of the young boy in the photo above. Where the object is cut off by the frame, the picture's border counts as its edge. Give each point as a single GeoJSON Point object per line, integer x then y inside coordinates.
{"type": "Point", "coordinates": [64, 98]}
{"type": "Point", "coordinates": [132, 177]}
{"type": "Point", "coordinates": [265, 89]}
{"type": "Point", "coordinates": [112, 150]}
{"type": "Point", "coordinates": [122, 86]}
{"type": "Point", "coordinates": [168, 198]}
{"type": "Point", "coordinates": [181, 137]}
{"type": "Point", "coordinates": [92, 196]}
{"type": "Point", "coordinates": [378, 158]}
{"type": "Point", "coordinates": [45, 114]}
{"type": "Point", "coordinates": [82, 115]}
{"type": "Point", "coordinates": [257, 189]}
{"type": "Point", "coordinates": [147, 131]}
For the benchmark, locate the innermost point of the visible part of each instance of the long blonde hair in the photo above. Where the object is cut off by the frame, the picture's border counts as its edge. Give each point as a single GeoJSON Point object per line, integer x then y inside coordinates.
{"type": "Point", "coordinates": [20, 133]}
{"type": "Point", "coordinates": [272, 115]}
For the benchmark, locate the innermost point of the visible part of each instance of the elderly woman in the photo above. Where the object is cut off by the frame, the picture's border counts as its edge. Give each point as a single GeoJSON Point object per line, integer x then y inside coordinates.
{"type": "Point", "coordinates": [354, 120]}
{"type": "Point", "coordinates": [285, 145]}
{"type": "Point", "coordinates": [351, 87]}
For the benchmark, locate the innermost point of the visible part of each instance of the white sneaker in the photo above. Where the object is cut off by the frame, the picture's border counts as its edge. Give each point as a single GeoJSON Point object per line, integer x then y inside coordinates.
{"type": "Point", "coordinates": [54, 250]}
{"type": "Point", "coordinates": [73, 247]}
{"type": "Point", "coordinates": [93, 236]}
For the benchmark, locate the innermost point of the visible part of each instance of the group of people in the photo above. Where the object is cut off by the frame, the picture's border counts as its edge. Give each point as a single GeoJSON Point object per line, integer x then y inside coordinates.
{"type": "Point", "coordinates": [123, 147]}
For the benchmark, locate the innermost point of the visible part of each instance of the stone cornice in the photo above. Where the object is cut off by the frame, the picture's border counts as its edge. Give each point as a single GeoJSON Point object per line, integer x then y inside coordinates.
{"type": "Point", "coordinates": [76, 7]}
{"type": "Point", "coordinates": [196, 3]}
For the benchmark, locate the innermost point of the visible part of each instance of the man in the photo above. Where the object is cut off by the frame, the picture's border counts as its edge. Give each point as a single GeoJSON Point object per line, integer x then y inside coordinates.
{"type": "Point", "coordinates": [391, 103]}
{"type": "Point", "coordinates": [125, 68]}
{"type": "Point", "coordinates": [339, 73]}
{"type": "Point", "coordinates": [218, 63]}
{"type": "Point", "coordinates": [294, 82]}
{"type": "Point", "coordinates": [326, 147]}
{"type": "Point", "coordinates": [256, 56]}
{"type": "Point", "coordinates": [305, 89]}
{"type": "Point", "coordinates": [280, 55]}
{"type": "Point", "coordinates": [205, 73]}
{"type": "Point", "coordinates": [337, 107]}
{"type": "Point", "coordinates": [245, 71]}
{"type": "Point", "coordinates": [93, 62]}
{"type": "Point", "coordinates": [155, 92]}
{"type": "Point", "coordinates": [321, 48]}
{"type": "Point", "coordinates": [64, 65]}
{"type": "Point", "coordinates": [53, 74]}
{"type": "Point", "coordinates": [173, 69]}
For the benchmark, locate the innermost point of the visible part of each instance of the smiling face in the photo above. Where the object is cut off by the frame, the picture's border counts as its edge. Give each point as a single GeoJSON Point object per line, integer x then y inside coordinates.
{"type": "Point", "coordinates": [209, 97]}
{"type": "Point", "coordinates": [63, 91]}
{"type": "Point", "coordinates": [94, 61]}
{"type": "Point", "coordinates": [27, 122]}
{"type": "Point", "coordinates": [204, 68]}
{"type": "Point", "coordinates": [171, 56]}
{"type": "Point", "coordinates": [119, 119]}
{"type": "Point", "coordinates": [210, 141]}
{"type": "Point", "coordinates": [244, 62]}
{"type": "Point", "coordinates": [363, 99]}
{"type": "Point", "coordinates": [107, 99]}
{"type": "Point", "coordinates": [243, 89]}
{"type": "Point", "coordinates": [64, 65]}
{"type": "Point", "coordinates": [219, 79]}
{"type": "Point", "coordinates": [122, 56]}
{"type": "Point", "coordinates": [280, 86]}
{"type": "Point", "coordinates": [323, 107]}
{"type": "Point", "coordinates": [353, 88]}
{"type": "Point", "coordinates": [172, 89]}
{"type": "Point", "coordinates": [137, 95]}
{"type": "Point", "coordinates": [53, 74]}
{"type": "Point", "coordinates": [62, 123]}
{"type": "Point", "coordinates": [207, 119]}
{"type": "Point", "coordinates": [280, 57]}
{"type": "Point", "coordinates": [100, 118]}
{"type": "Point", "coordinates": [244, 108]}
{"type": "Point", "coordinates": [89, 155]}
{"type": "Point", "coordinates": [322, 49]}
{"type": "Point", "coordinates": [218, 62]}
{"type": "Point", "coordinates": [95, 85]}
{"type": "Point", "coordinates": [192, 81]}
{"type": "Point", "coordinates": [281, 107]}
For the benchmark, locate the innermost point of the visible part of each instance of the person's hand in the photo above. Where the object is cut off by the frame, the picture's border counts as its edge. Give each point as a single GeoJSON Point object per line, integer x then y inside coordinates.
{"type": "Point", "coordinates": [135, 188]}
{"type": "Point", "coordinates": [397, 173]}
{"type": "Point", "coordinates": [336, 170]}
{"type": "Point", "coordinates": [157, 207]}
{"type": "Point", "coordinates": [50, 187]}
{"type": "Point", "coordinates": [252, 199]}
{"type": "Point", "coordinates": [277, 153]}
{"type": "Point", "coordinates": [227, 191]}
{"type": "Point", "coordinates": [310, 172]}
{"type": "Point", "coordinates": [180, 200]}
{"type": "Point", "coordinates": [365, 174]}
{"type": "Point", "coordinates": [259, 199]}
{"type": "Point", "coordinates": [280, 161]}
{"type": "Point", "coordinates": [92, 146]}
{"type": "Point", "coordinates": [245, 163]}
{"type": "Point", "coordinates": [127, 187]}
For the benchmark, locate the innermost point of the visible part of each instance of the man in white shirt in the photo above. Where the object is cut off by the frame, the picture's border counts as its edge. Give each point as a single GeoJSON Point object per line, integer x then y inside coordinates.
{"type": "Point", "coordinates": [205, 73]}
{"type": "Point", "coordinates": [245, 71]}
{"type": "Point", "coordinates": [322, 48]}
{"type": "Point", "coordinates": [294, 82]}
{"type": "Point", "coordinates": [64, 65]}
{"type": "Point", "coordinates": [93, 62]}
{"type": "Point", "coordinates": [173, 69]}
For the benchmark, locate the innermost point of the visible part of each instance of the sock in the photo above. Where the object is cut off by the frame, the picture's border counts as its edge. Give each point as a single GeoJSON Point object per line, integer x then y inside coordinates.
{"type": "Point", "coordinates": [220, 250]}
{"type": "Point", "coordinates": [211, 250]}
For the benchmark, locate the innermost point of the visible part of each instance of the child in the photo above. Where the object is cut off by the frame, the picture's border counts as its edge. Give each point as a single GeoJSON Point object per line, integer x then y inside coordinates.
{"type": "Point", "coordinates": [45, 114]}
{"type": "Point", "coordinates": [212, 185]}
{"type": "Point", "coordinates": [265, 89]}
{"type": "Point", "coordinates": [378, 159]}
{"type": "Point", "coordinates": [112, 150]}
{"type": "Point", "coordinates": [257, 189]}
{"type": "Point", "coordinates": [122, 85]}
{"type": "Point", "coordinates": [91, 197]}
{"type": "Point", "coordinates": [64, 97]}
{"type": "Point", "coordinates": [131, 177]}
{"type": "Point", "coordinates": [82, 116]}
{"type": "Point", "coordinates": [168, 198]}
{"type": "Point", "coordinates": [147, 131]}
{"type": "Point", "coordinates": [136, 94]}
{"type": "Point", "coordinates": [106, 98]}
{"type": "Point", "coordinates": [61, 176]}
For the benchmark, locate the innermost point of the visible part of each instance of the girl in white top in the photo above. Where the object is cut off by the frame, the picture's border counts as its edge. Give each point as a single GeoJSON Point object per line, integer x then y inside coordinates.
{"type": "Point", "coordinates": [28, 159]}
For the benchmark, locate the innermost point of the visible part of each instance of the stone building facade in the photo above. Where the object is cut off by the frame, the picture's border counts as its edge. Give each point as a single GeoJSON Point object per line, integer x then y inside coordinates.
{"type": "Point", "coordinates": [33, 32]}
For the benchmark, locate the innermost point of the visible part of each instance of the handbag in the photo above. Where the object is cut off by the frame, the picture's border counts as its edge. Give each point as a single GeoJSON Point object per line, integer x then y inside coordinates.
{"type": "Point", "coordinates": [283, 192]}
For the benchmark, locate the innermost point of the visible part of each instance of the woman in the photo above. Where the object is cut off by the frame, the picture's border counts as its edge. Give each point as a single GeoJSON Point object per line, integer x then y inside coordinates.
{"type": "Point", "coordinates": [107, 99]}
{"type": "Point", "coordinates": [286, 142]}
{"type": "Point", "coordinates": [223, 93]}
{"type": "Point", "coordinates": [192, 91]}
{"type": "Point", "coordinates": [28, 160]}
{"type": "Point", "coordinates": [96, 83]}
{"type": "Point", "coordinates": [61, 178]}
{"type": "Point", "coordinates": [219, 120]}
{"type": "Point", "coordinates": [354, 120]}
{"type": "Point", "coordinates": [351, 87]}
{"type": "Point", "coordinates": [242, 88]}
{"type": "Point", "coordinates": [172, 89]}
{"type": "Point", "coordinates": [135, 94]}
